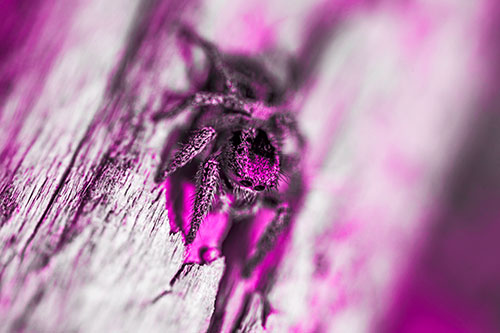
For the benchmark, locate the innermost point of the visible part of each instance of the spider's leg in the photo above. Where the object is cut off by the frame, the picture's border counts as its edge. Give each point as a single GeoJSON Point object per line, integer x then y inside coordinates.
{"type": "Point", "coordinates": [183, 106]}
{"type": "Point", "coordinates": [215, 57]}
{"type": "Point", "coordinates": [290, 164]}
{"type": "Point", "coordinates": [267, 241]}
{"type": "Point", "coordinates": [204, 98]}
{"type": "Point", "coordinates": [195, 145]}
{"type": "Point", "coordinates": [285, 124]}
{"type": "Point", "coordinates": [218, 99]}
{"type": "Point", "coordinates": [206, 187]}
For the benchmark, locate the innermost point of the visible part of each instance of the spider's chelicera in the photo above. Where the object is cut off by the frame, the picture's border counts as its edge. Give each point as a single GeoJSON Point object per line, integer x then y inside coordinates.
{"type": "Point", "coordinates": [240, 131]}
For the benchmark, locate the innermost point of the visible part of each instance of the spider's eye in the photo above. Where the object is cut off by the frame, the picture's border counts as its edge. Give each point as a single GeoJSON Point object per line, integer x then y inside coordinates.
{"type": "Point", "coordinates": [246, 183]}
{"type": "Point", "coordinates": [259, 188]}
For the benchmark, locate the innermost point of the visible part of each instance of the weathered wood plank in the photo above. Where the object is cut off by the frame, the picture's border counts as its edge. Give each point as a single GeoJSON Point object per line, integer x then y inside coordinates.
{"type": "Point", "coordinates": [86, 241]}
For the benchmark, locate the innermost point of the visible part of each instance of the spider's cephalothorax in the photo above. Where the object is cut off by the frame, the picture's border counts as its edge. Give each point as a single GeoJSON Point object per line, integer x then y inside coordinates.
{"type": "Point", "coordinates": [252, 159]}
{"type": "Point", "coordinates": [241, 136]}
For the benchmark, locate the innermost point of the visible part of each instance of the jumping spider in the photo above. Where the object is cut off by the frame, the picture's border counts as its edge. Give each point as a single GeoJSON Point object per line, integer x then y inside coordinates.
{"type": "Point", "coordinates": [241, 128]}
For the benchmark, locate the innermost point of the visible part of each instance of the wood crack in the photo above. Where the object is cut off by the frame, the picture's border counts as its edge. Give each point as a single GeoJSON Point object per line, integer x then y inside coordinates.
{"type": "Point", "coordinates": [58, 189]}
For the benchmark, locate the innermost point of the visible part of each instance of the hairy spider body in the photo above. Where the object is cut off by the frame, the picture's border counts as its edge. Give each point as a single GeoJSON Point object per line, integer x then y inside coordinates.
{"type": "Point", "coordinates": [240, 133]}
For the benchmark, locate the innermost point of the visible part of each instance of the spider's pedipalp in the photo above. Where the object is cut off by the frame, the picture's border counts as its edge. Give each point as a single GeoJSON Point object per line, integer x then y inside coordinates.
{"type": "Point", "coordinates": [206, 187]}
{"type": "Point", "coordinates": [268, 239]}
{"type": "Point", "coordinates": [196, 144]}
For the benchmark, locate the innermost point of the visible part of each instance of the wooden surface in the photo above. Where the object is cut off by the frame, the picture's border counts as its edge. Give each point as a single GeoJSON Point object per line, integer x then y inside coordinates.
{"type": "Point", "coordinates": [86, 241]}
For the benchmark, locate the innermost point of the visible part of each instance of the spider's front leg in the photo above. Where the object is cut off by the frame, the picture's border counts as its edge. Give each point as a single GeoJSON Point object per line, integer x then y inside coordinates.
{"type": "Point", "coordinates": [195, 145]}
{"type": "Point", "coordinates": [208, 179]}
{"type": "Point", "coordinates": [204, 98]}
{"type": "Point", "coordinates": [231, 102]}
{"type": "Point", "coordinates": [268, 239]}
